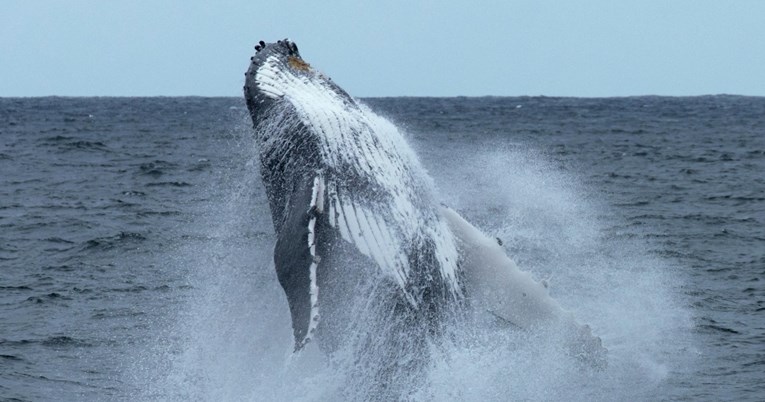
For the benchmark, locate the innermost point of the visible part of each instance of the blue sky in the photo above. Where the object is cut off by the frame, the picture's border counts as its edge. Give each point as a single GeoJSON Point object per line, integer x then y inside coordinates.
{"type": "Point", "coordinates": [387, 48]}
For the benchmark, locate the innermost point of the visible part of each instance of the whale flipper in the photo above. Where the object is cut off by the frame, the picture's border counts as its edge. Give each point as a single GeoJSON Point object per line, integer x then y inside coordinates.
{"type": "Point", "coordinates": [296, 257]}
{"type": "Point", "coordinates": [497, 285]}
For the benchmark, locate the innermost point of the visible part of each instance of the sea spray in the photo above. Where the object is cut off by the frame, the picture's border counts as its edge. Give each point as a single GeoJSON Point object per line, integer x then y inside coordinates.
{"type": "Point", "coordinates": [552, 224]}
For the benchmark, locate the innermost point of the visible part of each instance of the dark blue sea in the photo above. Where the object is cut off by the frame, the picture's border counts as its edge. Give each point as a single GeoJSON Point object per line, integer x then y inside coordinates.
{"type": "Point", "coordinates": [135, 247]}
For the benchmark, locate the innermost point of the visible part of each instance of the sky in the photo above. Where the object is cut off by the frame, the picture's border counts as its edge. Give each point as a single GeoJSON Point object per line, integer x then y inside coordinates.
{"type": "Point", "coordinates": [588, 48]}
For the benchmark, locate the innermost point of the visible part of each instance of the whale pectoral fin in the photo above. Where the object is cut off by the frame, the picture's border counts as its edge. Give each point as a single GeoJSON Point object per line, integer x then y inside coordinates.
{"type": "Point", "coordinates": [292, 268]}
{"type": "Point", "coordinates": [297, 261]}
{"type": "Point", "coordinates": [496, 284]}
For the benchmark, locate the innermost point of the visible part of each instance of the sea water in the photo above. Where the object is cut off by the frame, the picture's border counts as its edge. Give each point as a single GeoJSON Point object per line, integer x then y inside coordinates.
{"type": "Point", "coordinates": [136, 241]}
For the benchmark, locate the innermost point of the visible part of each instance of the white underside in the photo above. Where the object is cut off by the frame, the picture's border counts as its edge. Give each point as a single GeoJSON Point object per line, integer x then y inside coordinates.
{"type": "Point", "coordinates": [496, 284]}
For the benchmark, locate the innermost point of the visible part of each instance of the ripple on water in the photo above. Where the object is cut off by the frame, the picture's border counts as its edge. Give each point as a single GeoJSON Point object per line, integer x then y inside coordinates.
{"type": "Point", "coordinates": [110, 242]}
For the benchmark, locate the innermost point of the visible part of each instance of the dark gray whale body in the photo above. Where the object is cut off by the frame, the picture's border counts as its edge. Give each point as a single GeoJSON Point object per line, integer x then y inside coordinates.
{"type": "Point", "coordinates": [351, 206]}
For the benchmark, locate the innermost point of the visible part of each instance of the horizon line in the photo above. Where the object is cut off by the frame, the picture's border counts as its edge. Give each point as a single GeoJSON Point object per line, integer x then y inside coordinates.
{"type": "Point", "coordinates": [400, 96]}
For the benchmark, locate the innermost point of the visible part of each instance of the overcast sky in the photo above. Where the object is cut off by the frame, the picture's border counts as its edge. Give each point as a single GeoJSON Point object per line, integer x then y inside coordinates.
{"type": "Point", "coordinates": [387, 48]}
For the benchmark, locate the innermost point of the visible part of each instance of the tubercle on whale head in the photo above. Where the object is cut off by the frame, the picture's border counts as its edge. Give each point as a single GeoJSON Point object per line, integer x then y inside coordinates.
{"type": "Point", "coordinates": [285, 43]}
{"type": "Point", "coordinates": [285, 51]}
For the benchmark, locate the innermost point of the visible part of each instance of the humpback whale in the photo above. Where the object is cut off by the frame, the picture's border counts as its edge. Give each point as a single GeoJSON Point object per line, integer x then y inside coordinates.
{"type": "Point", "coordinates": [358, 223]}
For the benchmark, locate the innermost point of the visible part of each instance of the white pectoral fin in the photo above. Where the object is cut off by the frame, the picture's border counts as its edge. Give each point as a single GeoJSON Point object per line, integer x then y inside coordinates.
{"type": "Point", "coordinates": [496, 284]}
{"type": "Point", "coordinates": [494, 281]}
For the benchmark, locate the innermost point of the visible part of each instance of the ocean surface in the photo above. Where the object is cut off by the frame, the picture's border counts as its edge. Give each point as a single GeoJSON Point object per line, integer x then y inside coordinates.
{"type": "Point", "coordinates": [135, 247]}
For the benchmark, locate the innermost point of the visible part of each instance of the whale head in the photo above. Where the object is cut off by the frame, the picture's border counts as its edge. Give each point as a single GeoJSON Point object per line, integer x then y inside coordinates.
{"type": "Point", "coordinates": [285, 52]}
{"type": "Point", "coordinates": [278, 75]}
{"type": "Point", "coordinates": [271, 69]}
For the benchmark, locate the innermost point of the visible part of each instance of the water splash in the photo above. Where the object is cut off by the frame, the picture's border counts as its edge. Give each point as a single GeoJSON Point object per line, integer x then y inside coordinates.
{"type": "Point", "coordinates": [558, 228]}
{"type": "Point", "coordinates": [231, 337]}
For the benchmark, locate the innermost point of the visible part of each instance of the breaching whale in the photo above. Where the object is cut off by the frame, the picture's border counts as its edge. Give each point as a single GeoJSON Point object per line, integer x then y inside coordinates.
{"type": "Point", "coordinates": [355, 212]}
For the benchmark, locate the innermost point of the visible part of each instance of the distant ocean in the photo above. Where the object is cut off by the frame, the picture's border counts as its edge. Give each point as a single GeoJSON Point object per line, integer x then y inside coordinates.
{"type": "Point", "coordinates": [135, 246]}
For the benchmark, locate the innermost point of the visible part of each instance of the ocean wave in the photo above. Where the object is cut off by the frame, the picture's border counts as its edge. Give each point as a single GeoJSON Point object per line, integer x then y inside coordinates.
{"type": "Point", "coordinates": [110, 242]}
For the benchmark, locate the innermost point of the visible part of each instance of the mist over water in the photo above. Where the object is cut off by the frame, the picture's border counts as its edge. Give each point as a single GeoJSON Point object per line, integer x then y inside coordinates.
{"type": "Point", "coordinates": [231, 338]}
